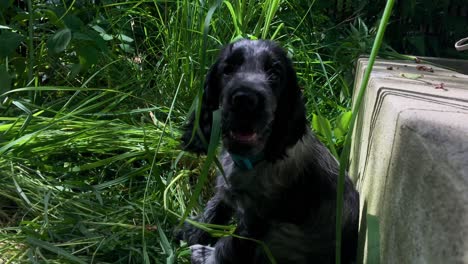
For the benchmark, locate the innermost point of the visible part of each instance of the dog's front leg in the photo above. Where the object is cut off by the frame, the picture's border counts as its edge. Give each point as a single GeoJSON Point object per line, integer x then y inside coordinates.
{"type": "Point", "coordinates": [228, 250]}
{"type": "Point", "coordinates": [202, 254]}
{"type": "Point", "coordinates": [216, 212]}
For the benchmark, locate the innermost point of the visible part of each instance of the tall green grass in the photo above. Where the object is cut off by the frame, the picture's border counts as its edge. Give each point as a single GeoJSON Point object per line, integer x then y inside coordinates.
{"type": "Point", "coordinates": [75, 182]}
{"type": "Point", "coordinates": [91, 169]}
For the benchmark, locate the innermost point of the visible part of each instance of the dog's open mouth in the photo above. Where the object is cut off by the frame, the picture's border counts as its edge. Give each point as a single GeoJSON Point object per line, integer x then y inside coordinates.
{"type": "Point", "coordinates": [246, 137]}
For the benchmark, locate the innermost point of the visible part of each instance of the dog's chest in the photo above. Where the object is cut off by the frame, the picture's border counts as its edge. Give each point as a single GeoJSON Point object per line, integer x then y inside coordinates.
{"type": "Point", "coordinates": [254, 191]}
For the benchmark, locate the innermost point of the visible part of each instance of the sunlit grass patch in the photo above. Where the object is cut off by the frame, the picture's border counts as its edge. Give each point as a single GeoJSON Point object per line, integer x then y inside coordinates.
{"type": "Point", "coordinates": [85, 186]}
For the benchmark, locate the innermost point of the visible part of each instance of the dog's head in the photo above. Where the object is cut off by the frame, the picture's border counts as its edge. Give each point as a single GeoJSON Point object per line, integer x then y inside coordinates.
{"type": "Point", "coordinates": [255, 86]}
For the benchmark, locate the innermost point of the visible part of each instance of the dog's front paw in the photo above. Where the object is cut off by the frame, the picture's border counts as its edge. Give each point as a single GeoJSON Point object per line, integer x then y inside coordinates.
{"type": "Point", "coordinates": [202, 254]}
{"type": "Point", "coordinates": [193, 235]}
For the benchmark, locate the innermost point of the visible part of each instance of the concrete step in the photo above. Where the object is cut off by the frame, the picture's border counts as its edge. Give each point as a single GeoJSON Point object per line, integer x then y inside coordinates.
{"type": "Point", "coordinates": [409, 160]}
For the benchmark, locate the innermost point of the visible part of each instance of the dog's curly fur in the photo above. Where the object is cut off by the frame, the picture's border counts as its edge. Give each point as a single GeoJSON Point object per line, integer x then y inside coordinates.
{"type": "Point", "coordinates": [287, 200]}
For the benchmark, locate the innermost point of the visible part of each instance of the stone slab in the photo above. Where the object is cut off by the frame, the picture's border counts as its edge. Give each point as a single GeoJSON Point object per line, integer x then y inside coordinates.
{"type": "Point", "coordinates": [409, 160]}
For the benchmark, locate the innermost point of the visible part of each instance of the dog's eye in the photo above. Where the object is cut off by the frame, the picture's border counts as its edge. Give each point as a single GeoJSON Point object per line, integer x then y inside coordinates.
{"type": "Point", "coordinates": [273, 69]}
{"type": "Point", "coordinates": [273, 75]}
{"type": "Point", "coordinates": [228, 69]}
{"type": "Point", "coordinates": [273, 72]}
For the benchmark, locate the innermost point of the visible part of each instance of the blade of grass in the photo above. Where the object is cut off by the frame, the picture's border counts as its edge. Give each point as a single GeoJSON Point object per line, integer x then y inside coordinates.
{"type": "Point", "coordinates": [234, 17]}
{"type": "Point", "coordinates": [22, 194]}
{"type": "Point", "coordinates": [50, 247]}
{"type": "Point", "coordinates": [215, 134]}
{"type": "Point", "coordinates": [28, 116]}
{"type": "Point", "coordinates": [344, 158]}
{"type": "Point", "coordinates": [206, 28]}
{"type": "Point", "coordinates": [166, 246]}
{"type": "Point", "coordinates": [145, 254]}
{"type": "Point", "coordinates": [31, 61]}
{"type": "Point", "coordinates": [373, 239]}
{"type": "Point", "coordinates": [271, 9]}
{"type": "Point", "coordinates": [212, 146]}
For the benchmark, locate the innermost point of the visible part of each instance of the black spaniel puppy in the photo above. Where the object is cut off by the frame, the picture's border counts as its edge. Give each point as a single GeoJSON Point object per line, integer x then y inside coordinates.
{"type": "Point", "coordinates": [281, 181]}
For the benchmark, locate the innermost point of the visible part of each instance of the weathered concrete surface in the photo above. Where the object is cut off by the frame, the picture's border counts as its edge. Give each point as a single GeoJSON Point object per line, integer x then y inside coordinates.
{"type": "Point", "coordinates": [409, 160]}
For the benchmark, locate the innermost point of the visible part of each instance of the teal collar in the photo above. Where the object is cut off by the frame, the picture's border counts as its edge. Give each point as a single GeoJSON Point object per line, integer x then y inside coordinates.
{"type": "Point", "coordinates": [246, 162]}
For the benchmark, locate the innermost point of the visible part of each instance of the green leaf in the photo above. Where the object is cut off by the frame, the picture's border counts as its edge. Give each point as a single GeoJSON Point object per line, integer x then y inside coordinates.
{"type": "Point", "coordinates": [342, 124]}
{"type": "Point", "coordinates": [53, 18]}
{"type": "Point", "coordinates": [98, 29]}
{"type": "Point", "coordinates": [321, 125]}
{"type": "Point", "coordinates": [82, 36]}
{"type": "Point", "coordinates": [59, 41]}
{"type": "Point", "coordinates": [107, 37]}
{"type": "Point", "coordinates": [345, 119]}
{"type": "Point", "coordinates": [102, 32]}
{"type": "Point", "coordinates": [18, 65]}
{"type": "Point", "coordinates": [98, 40]}
{"type": "Point", "coordinates": [73, 22]}
{"type": "Point", "coordinates": [74, 69]}
{"type": "Point", "coordinates": [91, 37]}
{"type": "Point", "coordinates": [9, 41]}
{"type": "Point", "coordinates": [411, 76]}
{"type": "Point", "coordinates": [124, 38]}
{"type": "Point", "coordinates": [127, 48]}
{"type": "Point", "coordinates": [88, 56]}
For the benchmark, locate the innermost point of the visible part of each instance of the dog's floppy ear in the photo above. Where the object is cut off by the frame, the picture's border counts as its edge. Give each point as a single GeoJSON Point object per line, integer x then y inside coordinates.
{"type": "Point", "coordinates": [197, 141]}
{"type": "Point", "coordinates": [290, 116]}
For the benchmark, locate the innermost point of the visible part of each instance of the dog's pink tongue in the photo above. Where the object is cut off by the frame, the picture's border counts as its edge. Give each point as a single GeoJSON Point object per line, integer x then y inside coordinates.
{"type": "Point", "coordinates": [245, 136]}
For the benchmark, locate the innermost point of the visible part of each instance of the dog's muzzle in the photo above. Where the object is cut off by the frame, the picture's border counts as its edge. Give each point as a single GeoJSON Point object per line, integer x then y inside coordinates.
{"type": "Point", "coordinates": [244, 100]}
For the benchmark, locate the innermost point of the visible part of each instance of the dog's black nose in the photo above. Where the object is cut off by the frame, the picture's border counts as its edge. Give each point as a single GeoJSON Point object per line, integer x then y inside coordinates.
{"type": "Point", "coordinates": [244, 100]}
